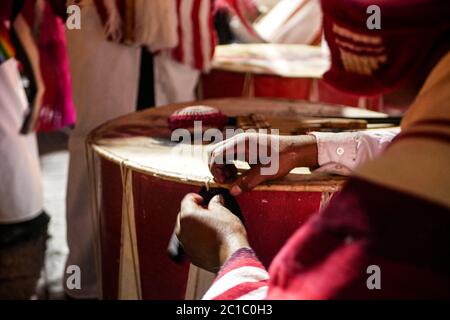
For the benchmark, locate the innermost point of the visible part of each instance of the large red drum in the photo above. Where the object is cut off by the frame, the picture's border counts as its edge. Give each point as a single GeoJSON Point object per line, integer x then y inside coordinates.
{"type": "Point", "coordinates": [276, 71]}
{"type": "Point", "coordinates": [143, 176]}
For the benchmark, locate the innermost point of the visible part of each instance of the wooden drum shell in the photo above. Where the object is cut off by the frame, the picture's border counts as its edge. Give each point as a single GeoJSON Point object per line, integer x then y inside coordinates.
{"type": "Point", "coordinates": [276, 71]}
{"type": "Point", "coordinates": [272, 212]}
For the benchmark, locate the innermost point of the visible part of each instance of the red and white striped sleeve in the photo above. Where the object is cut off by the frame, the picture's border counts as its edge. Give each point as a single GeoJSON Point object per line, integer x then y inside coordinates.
{"type": "Point", "coordinates": [242, 277]}
{"type": "Point", "coordinates": [197, 38]}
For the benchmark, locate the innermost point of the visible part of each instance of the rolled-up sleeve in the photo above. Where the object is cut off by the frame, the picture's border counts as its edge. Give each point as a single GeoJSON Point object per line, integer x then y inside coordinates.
{"type": "Point", "coordinates": [242, 277]}
{"type": "Point", "coordinates": [341, 153]}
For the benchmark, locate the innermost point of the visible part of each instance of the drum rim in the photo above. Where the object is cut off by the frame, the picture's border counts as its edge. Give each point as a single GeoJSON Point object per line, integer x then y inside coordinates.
{"type": "Point", "coordinates": [334, 183]}
{"type": "Point", "coordinates": [220, 66]}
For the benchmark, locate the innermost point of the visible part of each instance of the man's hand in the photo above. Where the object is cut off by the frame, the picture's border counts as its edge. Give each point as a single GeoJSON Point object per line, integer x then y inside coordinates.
{"type": "Point", "coordinates": [291, 152]}
{"type": "Point", "coordinates": [209, 235]}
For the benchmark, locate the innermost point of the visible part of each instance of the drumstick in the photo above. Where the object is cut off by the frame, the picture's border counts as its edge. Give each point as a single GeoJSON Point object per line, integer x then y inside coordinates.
{"type": "Point", "coordinates": [295, 124]}
{"type": "Point", "coordinates": [175, 249]}
{"type": "Point", "coordinates": [393, 120]}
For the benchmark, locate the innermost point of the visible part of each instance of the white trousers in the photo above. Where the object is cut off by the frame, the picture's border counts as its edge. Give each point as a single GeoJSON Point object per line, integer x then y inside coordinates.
{"type": "Point", "coordinates": [105, 83]}
{"type": "Point", "coordinates": [21, 194]}
{"type": "Point", "coordinates": [174, 82]}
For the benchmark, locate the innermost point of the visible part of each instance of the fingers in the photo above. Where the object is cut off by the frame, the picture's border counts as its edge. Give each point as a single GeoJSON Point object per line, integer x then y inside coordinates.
{"type": "Point", "coordinates": [216, 203]}
{"type": "Point", "coordinates": [224, 173]}
{"type": "Point", "coordinates": [229, 149]}
{"type": "Point", "coordinates": [178, 226]}
{"type": "Point", "coordinates": [248, 181]}
{"type": "Point", "coordinates": [191, 203]}
{"type": "Point", "coordinates": [236, 148]}
{"type": "Point", "coordinates": [246, 147]}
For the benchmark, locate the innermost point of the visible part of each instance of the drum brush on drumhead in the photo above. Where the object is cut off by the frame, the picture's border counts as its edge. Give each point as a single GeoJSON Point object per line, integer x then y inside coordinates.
{"type": "Point", "coordinates": [175, 249]}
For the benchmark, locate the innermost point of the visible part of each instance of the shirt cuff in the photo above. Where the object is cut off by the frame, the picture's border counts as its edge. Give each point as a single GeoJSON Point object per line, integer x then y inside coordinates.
{"type": "Point", "coordinates": [337, 152]}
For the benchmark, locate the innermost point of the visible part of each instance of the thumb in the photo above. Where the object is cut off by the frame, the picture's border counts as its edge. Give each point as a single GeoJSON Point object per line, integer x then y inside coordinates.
{"type": "Point", "coordinates": [191, 203]}
{"type": "Point", "coordinates": [248, 181]}
{"type": "Point", "coordinates": [216, 202]}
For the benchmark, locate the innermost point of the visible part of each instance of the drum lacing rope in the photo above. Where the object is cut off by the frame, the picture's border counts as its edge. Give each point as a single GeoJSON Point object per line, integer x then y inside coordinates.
{"type": "Point", "coordinates": [125, 174]}
{"type": "Point", "coordinates": [325, 200]}
{"type": "Point", "coordinates": [95, 214]}
{"type": "Point", "coordinates": [208, 183]}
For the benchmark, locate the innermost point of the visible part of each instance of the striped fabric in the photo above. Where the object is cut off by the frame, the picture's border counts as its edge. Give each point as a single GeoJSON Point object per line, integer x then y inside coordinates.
{"type": "Point", "coordinates": [6, 48]}
{"type": "Point", "coordinates": [240, 8]}
{"type": "Point", "coordinates": [390, 216]}
{"type": "Point", "coordinates": [242, 277]}
{"type": "Point", "coordinates": [196, 34]}
{"type": "Point", "coordinates": [328, 258]}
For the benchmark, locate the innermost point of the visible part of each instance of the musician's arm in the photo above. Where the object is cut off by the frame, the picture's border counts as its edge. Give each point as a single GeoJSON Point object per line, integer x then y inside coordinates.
{"type": "Point", "coordinates": [215, 239]}
{"type": "Point", "coordinates": [341, 153]}
{"type": "Point", "coordinates": [338, 153]}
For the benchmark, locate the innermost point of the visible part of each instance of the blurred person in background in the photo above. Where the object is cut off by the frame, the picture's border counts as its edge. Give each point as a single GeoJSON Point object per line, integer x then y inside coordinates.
{"type": "Point", "coordinates": [391, 220]}
{"type": "Point", "coordinates": [23, 223]}
{"type": "Point", "coordinates": [105, 57]}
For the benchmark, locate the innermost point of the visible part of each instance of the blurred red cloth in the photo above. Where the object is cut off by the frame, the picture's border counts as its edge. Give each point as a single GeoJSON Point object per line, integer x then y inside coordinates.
{"type": "Point", "coordinates": [372, 62]}
{"type": "Point", "coordinates": [364, 225]}
{"type": "Point", "coordinates": [5, 9]}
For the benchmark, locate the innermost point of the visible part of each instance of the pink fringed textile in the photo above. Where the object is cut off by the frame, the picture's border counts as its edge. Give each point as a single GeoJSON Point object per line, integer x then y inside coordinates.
{"type": "Point", "coordinates": [58, 110]}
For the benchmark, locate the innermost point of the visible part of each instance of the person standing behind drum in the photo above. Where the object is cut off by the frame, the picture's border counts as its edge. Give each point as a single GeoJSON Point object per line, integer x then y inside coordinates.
{"type": "Point", "coordinates": [23, 223]}
{"type": "Point", "coordinates": [177, 71]}
{"type": "Point", "coordinates": [105, 61]}
{"type": "Point", "coordinates": [385, 235]}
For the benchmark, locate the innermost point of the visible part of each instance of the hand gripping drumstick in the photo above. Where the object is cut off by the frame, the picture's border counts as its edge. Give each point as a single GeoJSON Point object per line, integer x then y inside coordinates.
{"type": "Point", "coordinates": [175, 249]}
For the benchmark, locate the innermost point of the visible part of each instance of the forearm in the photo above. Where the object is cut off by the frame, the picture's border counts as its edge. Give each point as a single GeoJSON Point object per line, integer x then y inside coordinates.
{"type": "Point", "coordinates": [230, 245]}
{"type": "Point", "coordinates": [303, 149]}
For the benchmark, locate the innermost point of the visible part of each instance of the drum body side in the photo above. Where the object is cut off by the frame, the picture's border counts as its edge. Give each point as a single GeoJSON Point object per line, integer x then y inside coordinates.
{"type": "Point", "coordinates": [110, 226]}
{"type": "Point", "coordinates": [225, 84]}
{"type": "Point", "coordinates": [157, 203]}
{"type": "Point", "coordinates": [270, 217]}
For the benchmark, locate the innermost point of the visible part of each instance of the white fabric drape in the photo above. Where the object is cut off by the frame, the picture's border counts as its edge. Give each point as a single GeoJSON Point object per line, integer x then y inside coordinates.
{"type": "Point", "coordinates": [105, 78]}
{"type": "Point", "coordinates": [21, 182]}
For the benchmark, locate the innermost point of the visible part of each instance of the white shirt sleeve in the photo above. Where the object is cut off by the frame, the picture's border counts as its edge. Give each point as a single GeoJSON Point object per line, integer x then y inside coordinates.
{"type": "Point", "coordinates": [341, 153]}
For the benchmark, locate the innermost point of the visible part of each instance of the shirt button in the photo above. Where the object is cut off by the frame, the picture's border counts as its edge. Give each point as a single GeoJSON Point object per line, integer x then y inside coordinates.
{"type": "Point", "coordinates": [340, 151]}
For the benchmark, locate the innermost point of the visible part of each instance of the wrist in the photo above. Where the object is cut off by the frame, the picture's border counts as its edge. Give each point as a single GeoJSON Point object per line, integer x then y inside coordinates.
{"type": "Point", "coordinates": [230, 246]}
{"type": "Point", "coordinates": [304, 150]}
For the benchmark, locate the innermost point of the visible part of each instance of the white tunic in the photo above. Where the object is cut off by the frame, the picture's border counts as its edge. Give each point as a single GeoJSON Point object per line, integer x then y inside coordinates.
{"type": "Point", "coordinates": [21, 194]}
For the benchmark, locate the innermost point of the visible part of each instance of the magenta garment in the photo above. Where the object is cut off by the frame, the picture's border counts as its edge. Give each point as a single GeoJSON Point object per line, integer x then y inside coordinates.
{"type": "Point", "coordinates": [58, 110]}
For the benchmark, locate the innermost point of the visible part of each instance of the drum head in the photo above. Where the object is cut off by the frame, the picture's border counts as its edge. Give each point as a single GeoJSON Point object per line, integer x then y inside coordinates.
{"type": "Point", "coordinates": [289, 61]}
{"type": "Point", "coordinates": [143, 142]}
